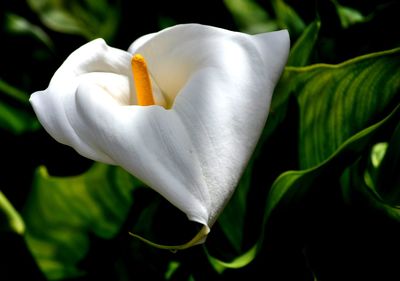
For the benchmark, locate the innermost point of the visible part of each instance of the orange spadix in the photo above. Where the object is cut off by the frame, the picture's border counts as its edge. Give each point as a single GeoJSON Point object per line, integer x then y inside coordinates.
{"type": "Point", "coordinates": [142, 81]}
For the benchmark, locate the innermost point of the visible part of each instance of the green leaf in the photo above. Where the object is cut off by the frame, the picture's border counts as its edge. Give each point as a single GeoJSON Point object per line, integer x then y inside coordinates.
{"type": "Point", "coordinates": [250, 17]}
{"type": "Point", "coordinates": [16, 262]}
{"type": "Point", "coordinates": [239, 262]}
{"type": "Point", "coordinates": [10, 220]}
{"type": "Point", "coordinates": [336, 104]}
{"type": "Point", "coordinates": [13, 92]}
{"type": "Point", "coordinates": [337, 101]}
{"type": "Point", "coordinates": [303, 48]}
{"type": "Point", "coordinates": [363, 178]}
{"type": "Point", "coordinates": [19, 25]}
{"type": "Point", "coordinates": [294, 186]}
{"type": "Point", "coordinates": [172, 267]}
{"type": "Point", "coordinates": [348, 16]}
{"type": "Point", "coordinates": [62, 212]}
{"type": "Point", "coordinates": [288, 18]}
{"type": "Point", "coordinates": [388, 177]}
{"type": "Point", "coordinates": [62, 21]}
{"type": "Point", "coordinates": [86, 18]}
{"type": "Point", "coordinates": [377, 153]}
{"type": "Point", "coordinates": [15, 120]}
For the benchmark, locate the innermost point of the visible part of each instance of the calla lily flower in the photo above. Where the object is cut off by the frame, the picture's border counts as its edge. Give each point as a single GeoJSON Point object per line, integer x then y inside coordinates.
{"type": "Point", "coordinates": [210, 91]}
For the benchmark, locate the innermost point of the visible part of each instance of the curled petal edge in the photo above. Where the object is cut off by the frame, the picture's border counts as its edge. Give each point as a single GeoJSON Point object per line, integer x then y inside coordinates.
{"type": "Point", "coordinates": [199, 238]}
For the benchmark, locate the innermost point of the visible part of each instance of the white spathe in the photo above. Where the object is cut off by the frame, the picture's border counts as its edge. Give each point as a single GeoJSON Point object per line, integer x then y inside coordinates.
{"type": "Point", "coordinates": [212, 88]}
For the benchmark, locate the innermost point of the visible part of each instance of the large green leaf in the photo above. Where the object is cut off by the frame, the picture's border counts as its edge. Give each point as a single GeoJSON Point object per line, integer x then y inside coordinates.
{"type": "Point", "coordinates": [295, 185]}
{"type": "Point", "coordinates": [337, 105]}
{"type": "Point", "coordinates": [307, 201]}
{"type": "Point", "coordinates": [62, 212]}
{"type": "Point", "coordinates": [337, 101]}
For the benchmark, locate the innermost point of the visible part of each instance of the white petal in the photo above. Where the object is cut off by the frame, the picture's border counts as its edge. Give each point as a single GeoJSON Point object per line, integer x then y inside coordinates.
{"type": "Point", "coordinates": [221, 83]}
{"type": "Point", "coordinates": [274, 49]}
{"type": "Point", "coordinates": [55, 107]}
{"type": "Point", "coordinates": [151, 143]}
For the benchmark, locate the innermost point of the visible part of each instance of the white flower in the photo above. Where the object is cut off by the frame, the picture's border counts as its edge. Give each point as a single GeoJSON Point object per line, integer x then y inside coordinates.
{"type": "Point", "coordinates": [212, 90]}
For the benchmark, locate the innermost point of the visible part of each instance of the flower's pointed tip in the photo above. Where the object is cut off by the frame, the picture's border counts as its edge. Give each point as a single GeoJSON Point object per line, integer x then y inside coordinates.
{"type": "Point", "coordinates": [274, 49]}
{"type": "Point", "coordinates": [277, 41]}
{"type": "Point", "coordinates": [199, 238]}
